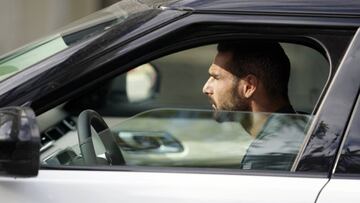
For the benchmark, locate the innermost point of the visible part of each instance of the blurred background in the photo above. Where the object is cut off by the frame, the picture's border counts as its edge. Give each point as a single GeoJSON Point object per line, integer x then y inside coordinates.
{"type": "Point", "coordinates": [23, 21]}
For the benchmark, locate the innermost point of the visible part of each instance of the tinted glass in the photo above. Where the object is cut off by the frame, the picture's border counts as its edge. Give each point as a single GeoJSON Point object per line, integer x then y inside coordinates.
{"type": "Point", "coordinates": [349, 161]}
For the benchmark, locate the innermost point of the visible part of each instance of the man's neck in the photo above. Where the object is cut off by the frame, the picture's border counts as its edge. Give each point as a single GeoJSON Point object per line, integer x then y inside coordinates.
{"type": "Point", "coordinates": [254, 122]}
{"type": "Point", "coordinates": [268, 106]}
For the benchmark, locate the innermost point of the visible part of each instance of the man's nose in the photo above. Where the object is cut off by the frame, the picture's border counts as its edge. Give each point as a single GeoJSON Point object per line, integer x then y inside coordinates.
{"type": "Point", "coordinates": [206, 88]}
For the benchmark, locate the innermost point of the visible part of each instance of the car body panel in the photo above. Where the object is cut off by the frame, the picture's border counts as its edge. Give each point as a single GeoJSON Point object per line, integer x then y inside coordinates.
{"type": "Point", "coordinates": [340, 190]}
{"type": "Point", "coordinates": [122, 186]}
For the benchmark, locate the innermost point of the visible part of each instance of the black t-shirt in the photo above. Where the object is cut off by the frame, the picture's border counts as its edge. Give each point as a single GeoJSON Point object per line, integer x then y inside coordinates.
{"type": "Point", "coordinates": [278, 143]}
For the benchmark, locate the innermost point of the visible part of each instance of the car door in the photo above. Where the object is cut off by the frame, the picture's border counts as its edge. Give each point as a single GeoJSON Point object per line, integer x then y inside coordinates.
{"type": "Point", "coordinates": [176, 184]}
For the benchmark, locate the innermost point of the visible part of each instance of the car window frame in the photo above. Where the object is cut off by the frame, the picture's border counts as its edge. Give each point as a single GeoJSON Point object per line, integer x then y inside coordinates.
{"type": "Point", "coordinates": [178, 26]}
{"type": "Point", "coordinates": [344, 78]}
{"type": "Point", "coordinates": [355, 118]}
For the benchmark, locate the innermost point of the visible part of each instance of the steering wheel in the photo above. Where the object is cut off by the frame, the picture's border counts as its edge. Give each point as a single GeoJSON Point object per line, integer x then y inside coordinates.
{"type": "Point", "coordinates": [87, 119]}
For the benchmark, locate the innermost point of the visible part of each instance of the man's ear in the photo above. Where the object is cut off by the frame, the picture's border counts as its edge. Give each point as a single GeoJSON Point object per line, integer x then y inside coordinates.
{"type": "Point", "coordinates": [250, 83]}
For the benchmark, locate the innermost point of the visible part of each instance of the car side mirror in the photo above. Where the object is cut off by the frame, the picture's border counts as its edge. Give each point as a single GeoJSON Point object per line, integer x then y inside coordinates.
{"type": "Point", "coordinates": [19, 142]}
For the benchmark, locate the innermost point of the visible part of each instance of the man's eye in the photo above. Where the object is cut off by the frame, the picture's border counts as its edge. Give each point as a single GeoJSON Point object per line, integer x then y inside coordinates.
{"type": "Point", "coordinates": [213, 76]}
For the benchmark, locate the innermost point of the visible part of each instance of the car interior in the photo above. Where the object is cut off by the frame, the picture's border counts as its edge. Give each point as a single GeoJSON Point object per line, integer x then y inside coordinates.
{"type": "Point", "coordinates": [158, 115]}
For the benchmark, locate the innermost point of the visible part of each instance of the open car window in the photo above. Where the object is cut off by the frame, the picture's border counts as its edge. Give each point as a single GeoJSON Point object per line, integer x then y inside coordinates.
{"type": "Point", "coordinates": [158, 116]}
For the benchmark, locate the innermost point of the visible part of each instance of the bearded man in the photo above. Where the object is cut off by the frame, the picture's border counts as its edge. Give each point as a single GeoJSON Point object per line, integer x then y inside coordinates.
{"type": "Point", "coordinates": [252, 76]}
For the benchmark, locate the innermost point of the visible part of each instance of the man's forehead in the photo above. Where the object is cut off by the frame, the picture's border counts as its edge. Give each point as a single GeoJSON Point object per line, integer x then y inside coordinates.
{"type": "Point", "coordinates": [221, 62]}
{"type": "Point", "coordinates": [223, 57]}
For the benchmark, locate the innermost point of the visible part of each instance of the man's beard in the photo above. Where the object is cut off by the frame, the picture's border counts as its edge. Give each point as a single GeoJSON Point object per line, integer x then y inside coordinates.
{"type": "Point", "coordinates": [227, 111]}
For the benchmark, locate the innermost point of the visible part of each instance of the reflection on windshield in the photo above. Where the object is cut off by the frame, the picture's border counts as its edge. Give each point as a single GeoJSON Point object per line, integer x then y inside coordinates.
{"type": "Point", "coordinates": [80, 30]}
{"type": "Point", "coordinates": [41, 51]}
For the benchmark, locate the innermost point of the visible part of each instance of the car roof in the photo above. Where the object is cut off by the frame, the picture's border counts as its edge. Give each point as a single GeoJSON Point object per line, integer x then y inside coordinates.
{"type": "Point", "coordinates": [350, 8]}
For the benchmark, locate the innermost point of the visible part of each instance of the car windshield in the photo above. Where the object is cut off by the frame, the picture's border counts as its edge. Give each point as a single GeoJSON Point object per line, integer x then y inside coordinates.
{"type": "Point", "coordinates": [80, 30]}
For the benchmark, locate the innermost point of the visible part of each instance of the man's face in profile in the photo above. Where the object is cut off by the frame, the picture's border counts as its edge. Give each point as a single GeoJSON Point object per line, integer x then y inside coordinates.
{"type": "Point", "coordinates": [223, 88]}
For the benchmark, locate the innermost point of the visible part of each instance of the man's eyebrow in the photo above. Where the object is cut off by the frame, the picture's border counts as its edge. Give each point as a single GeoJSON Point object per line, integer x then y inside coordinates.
{"type": "Point", "coordinates": [212, 74]}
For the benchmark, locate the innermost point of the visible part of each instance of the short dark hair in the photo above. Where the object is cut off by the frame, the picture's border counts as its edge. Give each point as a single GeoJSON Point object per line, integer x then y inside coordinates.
{"type": "Point", "coordinates": [264, 59]}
